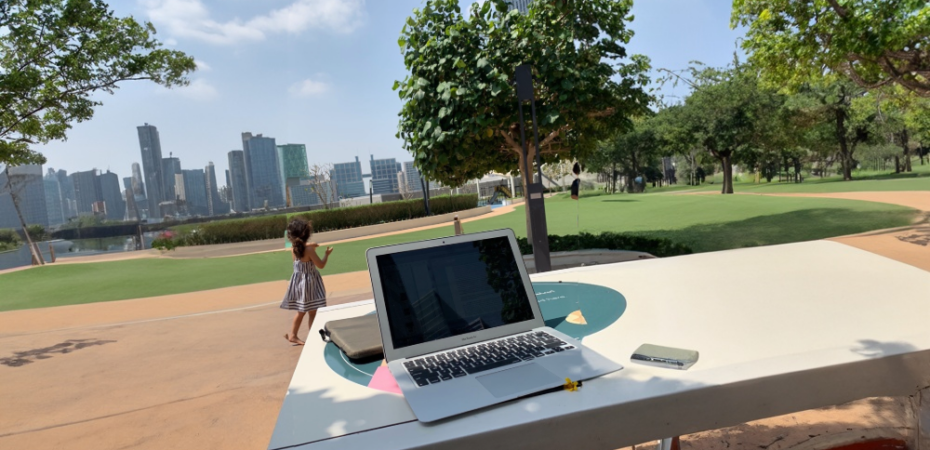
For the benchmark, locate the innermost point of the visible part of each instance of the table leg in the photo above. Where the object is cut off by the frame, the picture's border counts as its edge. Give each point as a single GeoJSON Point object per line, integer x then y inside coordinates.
{"type": "Point", "coordinates": [674, 443]}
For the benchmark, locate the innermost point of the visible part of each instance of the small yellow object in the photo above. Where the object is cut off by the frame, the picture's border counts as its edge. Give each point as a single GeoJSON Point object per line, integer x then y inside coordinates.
{"type": "Point", "coordinates": [571, 385]}
{"type": "Point", "coordinates": [576, 318]}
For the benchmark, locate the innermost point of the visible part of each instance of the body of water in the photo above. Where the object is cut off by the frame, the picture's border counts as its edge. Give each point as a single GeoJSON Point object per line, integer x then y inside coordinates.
{"type": "Point", "coordinates": [70, 248]}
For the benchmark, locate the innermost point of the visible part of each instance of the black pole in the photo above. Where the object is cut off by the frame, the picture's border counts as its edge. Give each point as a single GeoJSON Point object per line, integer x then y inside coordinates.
{"type": "Point", "coordinates": [371, 195]}
{"type": "Point", "coordinates": [536, 140]}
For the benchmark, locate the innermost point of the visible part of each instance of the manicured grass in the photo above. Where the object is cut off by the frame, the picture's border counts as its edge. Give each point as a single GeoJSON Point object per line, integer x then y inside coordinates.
{"type": "Point", "coordinates": [703, 222]}
{"type": "Point", "coordinates": [863, 181]}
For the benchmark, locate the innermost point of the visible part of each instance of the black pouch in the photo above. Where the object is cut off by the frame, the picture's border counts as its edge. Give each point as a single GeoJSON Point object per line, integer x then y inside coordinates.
{"type": "Point", "coordinates": [358, 337]}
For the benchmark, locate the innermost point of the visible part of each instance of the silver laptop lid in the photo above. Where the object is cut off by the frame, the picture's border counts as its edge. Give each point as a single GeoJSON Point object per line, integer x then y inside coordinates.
{"type": "Point", "coordinates": [444, 293]}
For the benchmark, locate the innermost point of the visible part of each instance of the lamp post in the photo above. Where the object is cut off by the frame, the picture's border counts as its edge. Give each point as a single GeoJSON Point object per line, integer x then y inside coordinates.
{"type": "Point", "coordinates": [534, 195]}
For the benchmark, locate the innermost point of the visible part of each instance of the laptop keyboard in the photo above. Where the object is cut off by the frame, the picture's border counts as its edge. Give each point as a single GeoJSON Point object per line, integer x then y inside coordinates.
{"type": "Point", "coordinates": [439, 367]}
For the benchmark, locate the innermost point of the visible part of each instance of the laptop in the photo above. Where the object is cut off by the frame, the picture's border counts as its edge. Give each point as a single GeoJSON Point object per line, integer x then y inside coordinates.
{"type": "Point", "coordinates": [461, 325]}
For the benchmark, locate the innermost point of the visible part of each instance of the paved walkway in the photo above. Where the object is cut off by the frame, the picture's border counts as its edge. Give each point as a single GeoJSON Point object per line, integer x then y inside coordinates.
{"type": "Point", "coordinates": [209, 370]}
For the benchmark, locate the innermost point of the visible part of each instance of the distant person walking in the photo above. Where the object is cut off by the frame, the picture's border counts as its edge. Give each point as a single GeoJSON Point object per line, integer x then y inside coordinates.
{"type": "Point", "coordinates": [306, 292]}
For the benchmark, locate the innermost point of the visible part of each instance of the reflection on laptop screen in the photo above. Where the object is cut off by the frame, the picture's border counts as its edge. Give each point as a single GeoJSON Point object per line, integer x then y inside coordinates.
{"type": "Point", "coordinates": [446, 291]}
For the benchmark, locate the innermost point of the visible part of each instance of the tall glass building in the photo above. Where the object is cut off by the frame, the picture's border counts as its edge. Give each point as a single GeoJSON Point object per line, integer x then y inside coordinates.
{"type": "Point", "coordinates": [150, 145]}
{"type": "Point", "coordinates": [68, 203]}
{"type": "Point", "coordinates": [112, 196]}
{"type": "Point", "coordinates": [293, 159]}
{"type": "Point", "coordinates": [384, 175]}
{"type": "Point", "coordinates": [348, 179]}
{"type": "Point", "coordinates": [193, 190]}
{"type": "Point", "coordinates": [412, 177]}
{"type": "Point", "coordinates": [237, 182]}
{"type": "Point", "coordinates": [86, 191]}
{"type": "Point", "coordinates": [215, 205]}
{"type": "Point", "coordinates": [30, 192]}
{"type": "Point", "coordinates": [262, 167]}
{"type": "Point", "coordinates": [53, 203]}
{"type": "Point", "coordinates": [170, 167]}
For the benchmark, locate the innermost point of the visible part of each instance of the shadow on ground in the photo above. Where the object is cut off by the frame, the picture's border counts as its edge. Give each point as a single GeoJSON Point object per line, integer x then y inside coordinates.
{"type": "Point", "coordinates": [20, 359]}
{"type": "Point", "coordinates": [782, 228]}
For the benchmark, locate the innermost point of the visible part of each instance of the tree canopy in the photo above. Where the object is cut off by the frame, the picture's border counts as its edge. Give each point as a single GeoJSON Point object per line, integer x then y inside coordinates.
{"type": "Point", "coordinates": [54, 54]}
{"type": "Point", "coordinates": [873, 42]}
{"type": "Point", "coordinates": [460, 114]}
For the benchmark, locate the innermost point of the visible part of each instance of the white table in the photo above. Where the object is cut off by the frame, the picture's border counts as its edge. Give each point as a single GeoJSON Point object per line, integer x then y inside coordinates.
{"type": "Point", "coordinates": [779, 329]}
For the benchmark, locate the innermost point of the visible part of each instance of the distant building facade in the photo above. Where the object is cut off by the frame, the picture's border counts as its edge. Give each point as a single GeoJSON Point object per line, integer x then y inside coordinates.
{"type": "Point", "coordinates": [384, 175]}
{"type": "Point", "coordinates": [412, 177]}
{"type": "Point", "coordinates": [237, 181]}
{"type": "Point", "coordinates": [192, 189]}
{"type": "Point", "coordinates": [170, 167]}
{"type": "Point", "coordinates": [263, 171]}
{"type": "Point", "coordinates": [294, 167]}
{"type": "Point", "coordinates": [86, 191]}
{"type": "Point", "coordinates": [150, 145]}
{"type": "Point", "coordinates": [68, 203]}
{"type": "Point", "coordinates": [348, 179]}
{"type": "Point", "coordinates": [53, 203]}
{"type": "Point", "coordinates": [112, 196]}
{"type": "Point", "coordinates": [215, 205]}
{"type": "Point", "coordinates": [30, 191]}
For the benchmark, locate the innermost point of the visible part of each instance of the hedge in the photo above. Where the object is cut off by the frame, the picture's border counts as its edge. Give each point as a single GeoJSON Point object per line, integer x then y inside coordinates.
{"type": "Point", "coordinates": [272, 227]}
{"type": "Point", "coordinates": [611, 241]}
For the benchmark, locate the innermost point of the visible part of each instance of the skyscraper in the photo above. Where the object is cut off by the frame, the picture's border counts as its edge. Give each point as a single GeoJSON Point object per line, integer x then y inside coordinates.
{"type": "Point", "coordinates": [293, 159]}
{"type": "Point", "coordinates": [264, 175]}
{"type": "Point", "coordinates": [192, 188]}
{"type": "Point", "coordinates": [348, 178]}
{"type": "Point", "coordinates": [521, 5]}
{"type": "Point", "coordinates": [169, 168]}
{"type": "Point", "coordinates": [30, 192]}
{"type": "Point", "coordinates": [150, 145]}
{"type": "Point", "coordinates": [53, 203]}
{"type": "Point", "coordinates": [86, 191]}
{"type": "Point", "coordinates": [138, 186]}
{"type": "Point", "coordinates": [215, 205]}
{"type": "Point", "coordinates": [237, 182]}
{"type": "Point", "coordinates": [384, 175]}
{"type": "Point", "coordinates": [112, 196]}
{"type": "Point", "coordinates": [68, 203]}
{"type": "Point", "coordinates": [412, 177]}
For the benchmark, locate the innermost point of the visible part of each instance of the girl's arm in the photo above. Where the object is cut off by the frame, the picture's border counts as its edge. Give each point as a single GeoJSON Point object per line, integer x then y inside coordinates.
{"type": "Point", "coordinates": [319, 263]}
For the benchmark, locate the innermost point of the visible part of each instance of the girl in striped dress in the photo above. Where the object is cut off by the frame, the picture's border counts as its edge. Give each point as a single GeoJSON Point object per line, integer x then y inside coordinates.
{"type": "Point", "coordinates": [306, 292]}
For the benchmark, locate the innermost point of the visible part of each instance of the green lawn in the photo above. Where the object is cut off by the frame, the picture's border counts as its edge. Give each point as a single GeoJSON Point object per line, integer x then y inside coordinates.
{"type": "Point", "coordinates": [863, 181]}
{"type": "Point", "coordinates": [704, 222]}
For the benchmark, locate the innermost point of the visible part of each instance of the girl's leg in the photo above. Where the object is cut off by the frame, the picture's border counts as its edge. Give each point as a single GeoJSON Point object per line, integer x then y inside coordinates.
{"type": "Point", "coordinates": [310, 316]}
{"type": "Point", "coordinates": [295, 326]}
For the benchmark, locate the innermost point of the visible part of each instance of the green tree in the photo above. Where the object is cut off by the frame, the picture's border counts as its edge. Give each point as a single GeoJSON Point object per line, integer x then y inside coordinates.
{"type": "Point", "coordinates": [729, 115]}
{"type": "Point", "coordinates": [628, 153]}
{"type": "Point", "coordinates": [54, 54]}
{"type": "Point", "coordinates": [460, 114]}
{"type": "Point", "coordinates": [873, 42]}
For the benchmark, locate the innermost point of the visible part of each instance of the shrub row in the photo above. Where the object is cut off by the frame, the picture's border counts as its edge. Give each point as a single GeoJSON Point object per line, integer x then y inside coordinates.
{"type": "Point", "coordinates": [272, 227]}
{"type": "Point", "coordinates": [610, 241]}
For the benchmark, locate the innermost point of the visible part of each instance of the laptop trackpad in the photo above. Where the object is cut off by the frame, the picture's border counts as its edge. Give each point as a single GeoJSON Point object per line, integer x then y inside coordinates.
{"type": "Point", "coordinates": [516, 380]}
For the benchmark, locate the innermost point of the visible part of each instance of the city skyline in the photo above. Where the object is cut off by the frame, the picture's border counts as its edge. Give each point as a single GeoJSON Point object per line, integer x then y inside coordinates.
{"type": "Point", "coordinates": [311, 93]}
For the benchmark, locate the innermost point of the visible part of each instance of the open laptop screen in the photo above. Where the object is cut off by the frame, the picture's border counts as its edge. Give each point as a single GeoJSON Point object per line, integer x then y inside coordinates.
{"type": "Point", "coordinates": [440, 292]}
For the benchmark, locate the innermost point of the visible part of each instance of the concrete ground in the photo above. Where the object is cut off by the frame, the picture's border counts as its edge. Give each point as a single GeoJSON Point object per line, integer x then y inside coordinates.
{"type": "Point", "coordinates": [209, 370]}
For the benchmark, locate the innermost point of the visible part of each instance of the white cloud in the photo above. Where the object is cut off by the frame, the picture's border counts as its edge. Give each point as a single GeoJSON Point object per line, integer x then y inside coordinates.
{"type": "Point", "coordinates": [308, 88]}
{"type": "Point", "coordinates": [199, 89]}
{"type": "Point", "coordinates": [191, 19]}
{"type": "Point", "coordinates": [202, 66]}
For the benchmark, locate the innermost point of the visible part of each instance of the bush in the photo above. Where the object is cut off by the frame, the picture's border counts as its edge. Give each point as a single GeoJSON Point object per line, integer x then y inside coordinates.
{"type": "Point", "coordinates": [609, 241]}
{"type": "Point", "coordinates": [9, 239]}
{"type": "Point", "coordinates": [272, 227]}
{"type": "Point", "coordinates": [37, 232]}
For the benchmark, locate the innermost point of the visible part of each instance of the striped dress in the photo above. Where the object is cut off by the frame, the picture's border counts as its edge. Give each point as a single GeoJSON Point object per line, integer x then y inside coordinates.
{"type": "Point", "coordinates": [306, 291]}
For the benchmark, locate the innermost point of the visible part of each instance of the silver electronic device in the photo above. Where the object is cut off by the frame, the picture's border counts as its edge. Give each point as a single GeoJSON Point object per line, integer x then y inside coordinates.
{"type": "Point", "coordinates": [461, 325]}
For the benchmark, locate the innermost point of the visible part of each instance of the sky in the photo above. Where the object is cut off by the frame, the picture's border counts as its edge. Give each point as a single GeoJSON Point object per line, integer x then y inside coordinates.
{"type": "Point", "coordinates": [313, 72]}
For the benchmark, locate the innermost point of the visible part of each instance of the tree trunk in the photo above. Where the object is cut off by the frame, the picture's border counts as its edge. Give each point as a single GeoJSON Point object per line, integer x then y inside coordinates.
{"type": "Point", "coordinates": [727, 166]}
{"type": "Point", "coordinates": [524, 179]}
{"type": "Point", "coordinates": [905, 140]}
{"type": "Point", "coordinates": [897, 164]}
{"type": "Point", "coordinates": [845, 156]}
{"type": "Point", "coordinates": [33, 247]}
